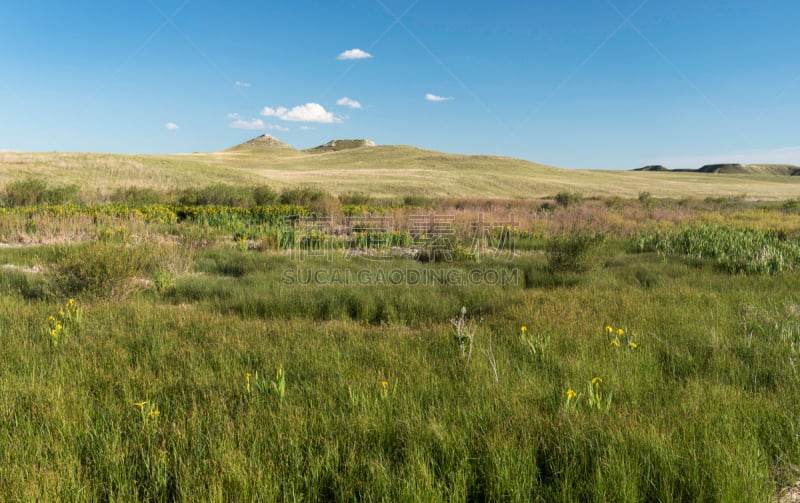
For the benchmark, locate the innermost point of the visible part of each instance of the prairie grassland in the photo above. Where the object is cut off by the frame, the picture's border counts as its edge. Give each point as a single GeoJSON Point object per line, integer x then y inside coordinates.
{"type": "Point", "coordinates": [196, 361]}
{"type": "Point", "coordinates": [387, 171]}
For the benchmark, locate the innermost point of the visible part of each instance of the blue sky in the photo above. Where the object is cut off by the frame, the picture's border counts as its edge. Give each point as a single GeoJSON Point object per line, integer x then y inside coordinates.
{"type": "Point", "coordinates": [606, 84]}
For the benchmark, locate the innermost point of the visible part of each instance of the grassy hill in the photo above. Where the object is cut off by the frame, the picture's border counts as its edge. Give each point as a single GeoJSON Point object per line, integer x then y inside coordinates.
{"type": "Point", "coordinates": [380, 170]}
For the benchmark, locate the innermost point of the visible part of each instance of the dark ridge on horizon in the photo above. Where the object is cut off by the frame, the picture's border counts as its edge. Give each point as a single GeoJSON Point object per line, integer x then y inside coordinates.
{"type": "Point", "coordinates": [732, 169]}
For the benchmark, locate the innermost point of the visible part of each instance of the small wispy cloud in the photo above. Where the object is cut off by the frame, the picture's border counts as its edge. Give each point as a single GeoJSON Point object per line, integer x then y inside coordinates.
{"type": "Point", "coordinates": [276, 127]}
{"type": "Point", "coordinates": [310, 112]}
{"type": "Point", "coordinates": [171, 126]}
{"type": "Point", "coordinates": [433, 97]}
{"type": "Point", "coordinates": [347, 102]}
{"type": "Point", "coordinates": [242, 84]}
{"type": "Point", "coordinates": [253, 124]}
{"type": "Point", "coordinates": [353, 54]}
{"type": "Point", "coordinates": [306, 128]}
{"type": "Point", "coordinates": [233, 115]}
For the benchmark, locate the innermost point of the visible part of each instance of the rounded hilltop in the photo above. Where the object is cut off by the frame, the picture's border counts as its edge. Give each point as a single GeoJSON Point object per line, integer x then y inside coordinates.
{"type": "Point", "coordinates": [263, 142]}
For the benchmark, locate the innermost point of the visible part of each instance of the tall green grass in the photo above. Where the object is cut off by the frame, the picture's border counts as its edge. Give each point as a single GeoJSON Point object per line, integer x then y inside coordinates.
{"type": "Point", "coordinates": [172, 393]}
{"type": "Point", "coordinates": [698, 410]}
{"type": "Point", "coordinates": [734, 250]}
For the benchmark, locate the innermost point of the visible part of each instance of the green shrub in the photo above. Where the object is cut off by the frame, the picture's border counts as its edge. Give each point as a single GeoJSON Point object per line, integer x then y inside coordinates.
{"type": "Point", "coordinates": [575, 251]}
{"type": "Point", "coordinates": [138, 195]}
{"type": "Point", "coordinates": [60, 195]}
{"type": "Point", "coordinates": [25, 192]}
{"type": "Point", "coordinates": [264, 196]}
{"type": "Point", "coordinates": [163, 281]}
{"type": "Point", "coordinates": [33, 191]}
{"type": "Point", "coordinates": [29, 286]}
{"type": "Point", "coordinates": [566, 199]}
{"type": "Point", "coordinates": [417, 201]}
{"type": "Point", "coordinates": [317, 201]}
{"type": "Point", "coordinates": [218, 195]}
{"type": "Point", "coordinates": [301, 196]}
{"type": "Point", "coordinates": [355, 198]}
{"type": "Point", "coordinates": [101, 269]}
{"type": "Point", "coordinates": [792, 205]}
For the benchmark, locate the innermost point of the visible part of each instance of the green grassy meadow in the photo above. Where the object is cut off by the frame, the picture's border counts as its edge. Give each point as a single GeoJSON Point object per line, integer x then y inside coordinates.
{"type": "Point", "coordinates": [162, 345]}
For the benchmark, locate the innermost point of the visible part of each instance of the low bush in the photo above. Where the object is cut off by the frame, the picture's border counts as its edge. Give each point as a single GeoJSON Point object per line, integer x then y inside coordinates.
{"type": "Point", "coordinates": [101, 269]}
{"type": "Point", "coordinates": [33, 191]}
{"type": "Point", "coordinates": [219, 195]}
{"type": "Point", "coordinates": [355, 198]}
{"type": "Point", "coordinates": [574, 251]}
{"type": "Point", "coordinates": [263, 195]}
{"type": "Point", "coordinates": [566, 199]}
{"type": "Point", "coordinates": [317, 201]}
{"type": "Point", "coordinates": [138, 195]}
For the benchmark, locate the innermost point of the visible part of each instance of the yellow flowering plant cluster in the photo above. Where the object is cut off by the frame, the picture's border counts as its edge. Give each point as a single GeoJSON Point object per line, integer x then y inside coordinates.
{"type": "Point", "coordinates": [60, 326]}
{"type": "Point", "coordinates": [620, 338]}
{"type": "Point", "coordinates": [571, 402]}
{"type": "Point", "coordinates": [153, 213]}
{"type": "Point", "coordinates": [148, 410]}
{"type": "Point", "coordinates": [595, 397]}
{"type": "Point", "coordinates": [279, 385]}
{"type": "Point", "coordinates": [264, 386]}
{"type": "Point", "coordinates": [536, 343]}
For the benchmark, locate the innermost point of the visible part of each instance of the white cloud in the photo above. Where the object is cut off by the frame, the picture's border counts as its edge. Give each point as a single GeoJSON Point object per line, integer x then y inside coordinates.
{"type": "Point", "coordinates": [274, 112]}
{"type": "Point", "coordinates": [171, 126]}
{"type": "Point", "coordinates": [242, 84]}
{"type": "Point", "coordinates": [433, 97]}
{"type": "Point", "coordinates": [347, 102]}
{"type": "Point", "coordinates": [310, 112]}
{"type": "Point", "coordinates": [251, 124]}
{"type": "Point", "coordinates": [276, 127]}
{"type": "Point", "coordinates": [353, 54]}
{"type": "Point", "coordinates": [232, 115]}
{"type": "Point", "coordinates": [306, 128]}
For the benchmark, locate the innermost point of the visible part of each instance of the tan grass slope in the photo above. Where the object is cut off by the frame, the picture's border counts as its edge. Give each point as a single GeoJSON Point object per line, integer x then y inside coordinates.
{"type": "Point", "coordinates": [394, 170]}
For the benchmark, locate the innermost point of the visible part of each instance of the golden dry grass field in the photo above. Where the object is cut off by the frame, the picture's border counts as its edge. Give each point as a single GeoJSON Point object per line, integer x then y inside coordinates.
{"type": "Point", "coordinates": [382, 171]}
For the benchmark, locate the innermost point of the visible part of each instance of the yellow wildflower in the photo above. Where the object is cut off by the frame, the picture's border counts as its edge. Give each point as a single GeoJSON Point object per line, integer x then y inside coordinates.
{"type": "Point", "coordinates": [523, 329]}
{"type": "Point", "coordinates": [620, 332]}
{"type": "Point", "coordinates": [385, 384]}
{"type": "Point", "coordinates": [571, 394]}
{"type": "Point", "coordinates": [140, 404]}
{"type": "Point", "coordinates": [634, 345]}
{"type": "Point", "coordinates": [615, 343]}
{"type": "Point", "coordinates": [596, 380]}
{"type": "Point", "coordinates": [609, 329]}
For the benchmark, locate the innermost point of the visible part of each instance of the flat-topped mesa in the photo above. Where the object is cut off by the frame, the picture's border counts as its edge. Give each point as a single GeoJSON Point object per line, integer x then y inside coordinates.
{"type": "Point", "coordinates": [337, 145]}
{"type": "Point", "coordinates": [734, 169]}
{"type": "Point", "coordinates": [730, 167]}
{"type": "Point", "coordinates": [263, 142]}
